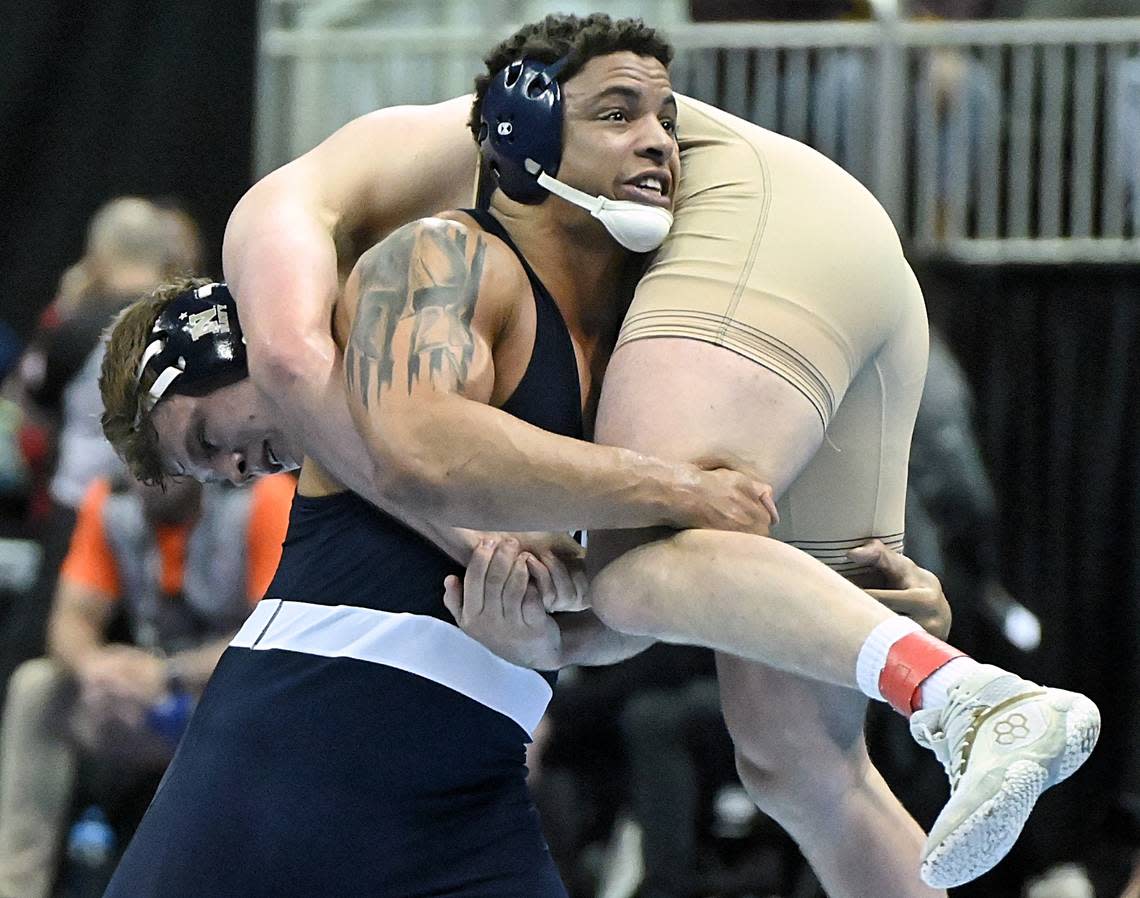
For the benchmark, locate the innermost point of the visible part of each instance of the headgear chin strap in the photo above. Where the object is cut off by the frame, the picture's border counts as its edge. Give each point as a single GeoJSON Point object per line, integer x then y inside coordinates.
{"type": "Point", "coordinates": [521, 138]}
{"type": "Point", "coordinates": [197, 345]}
{"type": "Point", "coordinates": [636, 226]}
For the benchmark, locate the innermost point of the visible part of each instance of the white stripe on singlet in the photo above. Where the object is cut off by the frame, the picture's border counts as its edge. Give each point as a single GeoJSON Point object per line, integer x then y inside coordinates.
{"type": "Point", "coordinates": [416, 643]}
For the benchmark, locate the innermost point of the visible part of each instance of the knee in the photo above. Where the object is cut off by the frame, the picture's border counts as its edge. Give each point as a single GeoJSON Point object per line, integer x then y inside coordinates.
{"type": "Point", "coordinates": [36, 683]}
{"type": "Point", "coordinates": [799, 782]}
{"type": "Point", "coordinates": [40, 697]}
{"type": "Point", "coordinates": [632, 592]}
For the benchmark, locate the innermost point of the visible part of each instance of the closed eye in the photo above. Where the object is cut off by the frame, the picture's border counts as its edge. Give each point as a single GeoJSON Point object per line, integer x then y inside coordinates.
{"type": "Point", "coordinates": [206, 446]}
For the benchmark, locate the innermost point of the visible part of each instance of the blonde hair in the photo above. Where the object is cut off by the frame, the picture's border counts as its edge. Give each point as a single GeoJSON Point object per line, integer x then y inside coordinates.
{"type": "Point", "coordinates": [126, 424]}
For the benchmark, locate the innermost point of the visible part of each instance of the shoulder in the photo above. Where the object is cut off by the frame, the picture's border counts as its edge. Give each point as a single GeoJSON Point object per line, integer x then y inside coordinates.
{"type": "Point", "coordinates": [448, 248]}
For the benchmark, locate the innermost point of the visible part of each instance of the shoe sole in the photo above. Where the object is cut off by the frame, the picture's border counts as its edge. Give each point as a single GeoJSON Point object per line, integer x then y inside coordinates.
{"type": "Point", "coordinates": [981, 840]}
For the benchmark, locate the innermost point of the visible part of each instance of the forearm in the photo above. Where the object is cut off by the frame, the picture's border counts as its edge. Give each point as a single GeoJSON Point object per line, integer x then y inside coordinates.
{"type": "Point", "coordinates": [473, 465]}
{"type": "Point", "coordinates": [587, 641]}
{"type": "Point", "coordinates": [73, 640]}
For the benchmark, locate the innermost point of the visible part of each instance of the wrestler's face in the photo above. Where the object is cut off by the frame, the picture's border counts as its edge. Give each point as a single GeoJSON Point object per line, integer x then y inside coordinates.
{"type": "Point", "coordinates": [229, 434]}
{"type": "Point", "coordinates": [618, 135]}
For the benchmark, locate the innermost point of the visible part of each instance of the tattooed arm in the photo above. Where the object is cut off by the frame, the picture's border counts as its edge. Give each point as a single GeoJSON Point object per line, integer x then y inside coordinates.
{"type": "Point", "coordinates": [429, 306]}
{"type": "Point", "coordinates": [297, 232]}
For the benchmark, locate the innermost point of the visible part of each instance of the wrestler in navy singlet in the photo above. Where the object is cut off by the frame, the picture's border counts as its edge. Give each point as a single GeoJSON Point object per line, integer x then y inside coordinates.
{"type": "Point", "coordinates": [316, 770]}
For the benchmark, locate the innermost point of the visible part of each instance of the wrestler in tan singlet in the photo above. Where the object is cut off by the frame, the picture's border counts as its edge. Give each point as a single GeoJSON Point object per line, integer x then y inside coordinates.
{"type": "Point", "coordinates": [784, 258]}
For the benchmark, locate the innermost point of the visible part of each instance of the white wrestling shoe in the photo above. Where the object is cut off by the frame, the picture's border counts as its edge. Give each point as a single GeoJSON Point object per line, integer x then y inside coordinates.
{"type": "Point", "coordinates": [1003, 741]}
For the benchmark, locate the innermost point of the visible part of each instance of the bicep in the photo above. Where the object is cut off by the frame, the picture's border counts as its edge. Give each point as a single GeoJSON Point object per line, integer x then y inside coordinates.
{"type": "Point", "coordinates": [422, 322]}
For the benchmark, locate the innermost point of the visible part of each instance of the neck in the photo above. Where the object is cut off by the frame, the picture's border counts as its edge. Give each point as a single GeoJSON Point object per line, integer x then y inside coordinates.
{"type": "Point", "coordinates": [580, 264]}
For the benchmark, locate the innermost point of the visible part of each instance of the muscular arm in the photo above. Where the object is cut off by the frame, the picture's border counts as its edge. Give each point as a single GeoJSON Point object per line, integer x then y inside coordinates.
{"type": "Point", "coordinates": [427, 307]}
{"type": "Point", "coordinates": [281, 262]}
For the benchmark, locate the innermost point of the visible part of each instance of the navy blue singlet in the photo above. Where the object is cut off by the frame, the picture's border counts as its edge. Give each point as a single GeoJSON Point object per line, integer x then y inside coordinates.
{"type": "Point", "coordinates": [352, 740]}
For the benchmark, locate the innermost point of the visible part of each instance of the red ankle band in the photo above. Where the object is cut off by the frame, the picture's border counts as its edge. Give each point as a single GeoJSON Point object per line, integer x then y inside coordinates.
{"type": "Point", "coordinates": [911, 660]}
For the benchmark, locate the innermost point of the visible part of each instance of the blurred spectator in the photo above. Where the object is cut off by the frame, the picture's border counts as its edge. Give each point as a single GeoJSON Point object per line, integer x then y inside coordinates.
{"type": "Point", "coordinates": [581, 776]}
{"type": "Point", "coordinates": [955, 507]}
{"type": "Point", "coordinates": [688, 803]}
{"type": "Point", "coordinates": [643, 744]}
{"type": "Point", "coordinates": [132, 245]}
{"type": "Point", "coordinates": [180, 567]}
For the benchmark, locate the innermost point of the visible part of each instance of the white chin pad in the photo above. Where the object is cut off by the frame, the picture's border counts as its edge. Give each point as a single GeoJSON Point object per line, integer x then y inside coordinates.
{"type": "Point", "coordinates": [640, 229]}
{"type": "Point", "coordinates": [637, 227]}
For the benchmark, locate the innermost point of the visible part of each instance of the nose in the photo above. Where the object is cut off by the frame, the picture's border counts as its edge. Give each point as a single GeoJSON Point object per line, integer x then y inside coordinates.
{"type": "Point", "coordinates": [656, 142]}
{"type": "Point", "coordinates": [232, 466]}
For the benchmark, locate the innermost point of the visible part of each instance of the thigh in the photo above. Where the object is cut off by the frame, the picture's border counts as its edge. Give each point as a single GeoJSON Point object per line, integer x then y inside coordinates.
{"type": "Point", "coordinates": [684, 399]}
{"type": "Point", "coordinates": [781, 723]}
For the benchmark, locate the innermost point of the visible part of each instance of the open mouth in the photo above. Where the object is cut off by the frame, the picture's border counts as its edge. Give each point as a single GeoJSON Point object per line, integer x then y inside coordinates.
{"type": "Point", "coordinates": [651, 189]}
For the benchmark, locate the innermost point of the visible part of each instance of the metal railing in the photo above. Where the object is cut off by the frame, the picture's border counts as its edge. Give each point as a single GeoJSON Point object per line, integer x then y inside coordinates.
{"type": "Point", "coordinates": [992, 141]}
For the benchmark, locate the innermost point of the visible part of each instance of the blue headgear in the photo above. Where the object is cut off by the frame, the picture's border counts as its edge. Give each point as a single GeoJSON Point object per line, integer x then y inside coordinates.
{"type": "Point", "coordinates": [520, 132]}
{"type": "Point", "coordinates": [197, 346]}
{"type": "Point", "coordinates": [521, 119]}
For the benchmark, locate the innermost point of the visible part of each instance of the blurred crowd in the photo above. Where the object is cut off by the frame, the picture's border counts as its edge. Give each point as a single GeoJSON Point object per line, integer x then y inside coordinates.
{"type": "Point", "coordinates": [116, 600]}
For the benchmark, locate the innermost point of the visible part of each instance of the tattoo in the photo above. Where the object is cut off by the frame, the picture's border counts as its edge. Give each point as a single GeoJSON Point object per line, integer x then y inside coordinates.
{"type": "Point", "coordinates": [427, 273]}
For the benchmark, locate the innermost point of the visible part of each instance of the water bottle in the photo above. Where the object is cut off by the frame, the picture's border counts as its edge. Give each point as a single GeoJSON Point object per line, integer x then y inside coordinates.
{"type": "Point", "coordinates": [91, 841]}
{"type": "Point", "coordinates": [90, 852]}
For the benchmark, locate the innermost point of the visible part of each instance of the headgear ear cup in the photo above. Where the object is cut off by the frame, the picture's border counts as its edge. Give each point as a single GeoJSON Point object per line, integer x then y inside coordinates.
{"type": "Point", "coordinates": [521, 136]}
{"type": "Point", "coordinates": [521, 118]}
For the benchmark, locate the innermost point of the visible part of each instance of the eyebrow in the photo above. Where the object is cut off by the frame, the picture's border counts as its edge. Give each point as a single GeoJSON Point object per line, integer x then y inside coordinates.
{"type": "Point", "coordinates": [631, 93]}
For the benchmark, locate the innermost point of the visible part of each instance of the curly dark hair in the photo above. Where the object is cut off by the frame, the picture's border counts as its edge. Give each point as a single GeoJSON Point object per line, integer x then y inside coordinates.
{"type": "Point", "coordinates": [556, 36]}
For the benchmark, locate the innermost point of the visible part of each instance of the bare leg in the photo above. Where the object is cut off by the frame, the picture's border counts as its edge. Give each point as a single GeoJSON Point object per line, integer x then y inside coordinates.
{"type": "Point", "coordinates": [802, 756]}
{"type": "Point", "coordinates": [800, 745]}
{"type": "Point", "coordinates": [745, 595]}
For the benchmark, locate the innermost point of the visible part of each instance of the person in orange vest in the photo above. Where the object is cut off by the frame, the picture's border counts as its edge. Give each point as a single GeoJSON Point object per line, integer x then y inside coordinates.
{"type": "Point", "coordinates": [181, 568]}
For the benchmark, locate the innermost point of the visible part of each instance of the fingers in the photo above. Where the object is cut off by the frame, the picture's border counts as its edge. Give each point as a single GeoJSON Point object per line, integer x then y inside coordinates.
{"type": "Point", "coordinates": [868, 553]}
{"type": "Point", "coordinates": [474, 580]}
{"type": "Point", "coordinates": [533, 608]}
{"type": "Point", "coordinates": [901, 601]}
{"type": "Point", "coordinates": [547, 591]}
{"type": "Point", "coordinates": [900, 572]}
{"type": "Point", "coordinates": [768, 500]}
{"type": "Point", "coordinates": [925, 607]}
{"type": "Point", "coordinates": [563, 583]}
{"type": "Point", "coordinates": [499, 569]}
{"type": "Point", "coordinates": [515, 589]}
{"type": "Point", "coordinates": [453, 597]}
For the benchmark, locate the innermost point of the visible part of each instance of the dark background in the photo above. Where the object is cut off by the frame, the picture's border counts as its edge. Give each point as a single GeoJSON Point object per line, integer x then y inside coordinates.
{"type": "Point", "coordinates": [1051, 352]}
{"type": "Point", "coordinates": [99, 99]}
{"type": "Point", "coordinates": [155, 99]}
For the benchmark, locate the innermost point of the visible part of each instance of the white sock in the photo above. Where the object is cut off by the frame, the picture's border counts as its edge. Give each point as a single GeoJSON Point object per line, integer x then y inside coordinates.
{"type": "Point", "coordinates": [873, 654]}
{"type": "Point", "coordinates": [933, 691]}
